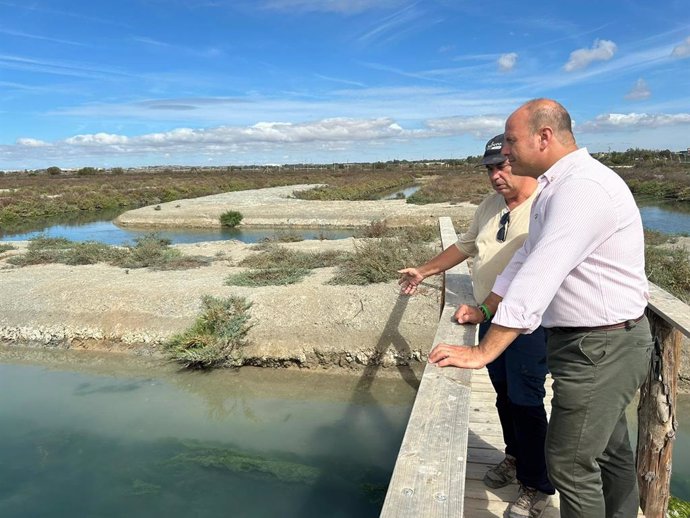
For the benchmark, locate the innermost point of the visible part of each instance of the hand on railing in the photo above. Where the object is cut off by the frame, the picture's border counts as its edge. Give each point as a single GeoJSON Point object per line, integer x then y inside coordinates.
{"type": "Point", "coordinates": [467, 314]}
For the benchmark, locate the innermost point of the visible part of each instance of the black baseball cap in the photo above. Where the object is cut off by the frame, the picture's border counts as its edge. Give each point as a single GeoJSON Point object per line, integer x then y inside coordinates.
{"type": "Point", "coordinates": [492, 151]}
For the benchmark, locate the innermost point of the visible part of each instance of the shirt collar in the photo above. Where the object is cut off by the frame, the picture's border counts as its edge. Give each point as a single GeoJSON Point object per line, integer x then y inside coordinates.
{"type": "Point", "coordinates": [562, 166]}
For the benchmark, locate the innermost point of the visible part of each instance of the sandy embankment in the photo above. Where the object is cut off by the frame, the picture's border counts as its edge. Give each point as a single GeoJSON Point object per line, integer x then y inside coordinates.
{"type": "Point", "coordinates": [310, 323]}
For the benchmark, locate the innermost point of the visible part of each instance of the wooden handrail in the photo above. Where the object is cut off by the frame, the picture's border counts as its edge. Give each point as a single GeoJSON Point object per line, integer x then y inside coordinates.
{"type": "Point", "coordinates": [429, 474]}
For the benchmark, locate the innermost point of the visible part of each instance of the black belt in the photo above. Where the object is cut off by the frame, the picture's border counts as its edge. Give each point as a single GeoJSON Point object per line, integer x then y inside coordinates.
{"type": "Point", "coordinates": [628, 324]}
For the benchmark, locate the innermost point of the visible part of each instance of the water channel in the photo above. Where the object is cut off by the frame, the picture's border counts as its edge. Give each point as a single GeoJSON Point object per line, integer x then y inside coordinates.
{"type": "Point", "coordinates": [666, 218]}
{"type": "Point", "coordinates": [89, 435]}
{"type": "Point", "coordinates": [85, 435]}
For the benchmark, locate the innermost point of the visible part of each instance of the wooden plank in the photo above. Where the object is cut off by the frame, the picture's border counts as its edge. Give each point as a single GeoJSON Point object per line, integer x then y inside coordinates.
{"type": "Point", "coordinates": [671, 309]}
{"type": "Point", "coordinates": [429, 475]}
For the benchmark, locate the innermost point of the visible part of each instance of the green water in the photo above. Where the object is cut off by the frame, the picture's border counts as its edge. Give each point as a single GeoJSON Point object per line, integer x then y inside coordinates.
{"type": "Point", "coordinates": [88, 438]}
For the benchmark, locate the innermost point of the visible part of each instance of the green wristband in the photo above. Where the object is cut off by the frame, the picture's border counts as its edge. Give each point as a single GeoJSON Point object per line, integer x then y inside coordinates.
{"type": "Point", "coordinates": [486, 312]}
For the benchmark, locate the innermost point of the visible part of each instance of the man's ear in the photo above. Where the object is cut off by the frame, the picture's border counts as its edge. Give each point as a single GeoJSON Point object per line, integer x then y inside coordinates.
{"type": "Point", "coordinates": [546, 137]}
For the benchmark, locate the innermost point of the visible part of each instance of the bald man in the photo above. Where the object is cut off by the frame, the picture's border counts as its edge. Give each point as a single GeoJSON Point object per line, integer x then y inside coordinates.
{"type": "Point", "coordinates": [580, 274]}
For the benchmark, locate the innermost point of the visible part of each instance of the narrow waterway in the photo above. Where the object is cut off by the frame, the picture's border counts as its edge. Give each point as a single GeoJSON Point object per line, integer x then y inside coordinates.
{"type": "Point", "coordinates": [110, 437]}
{"type": "Point", "coordinates": [667, 218]}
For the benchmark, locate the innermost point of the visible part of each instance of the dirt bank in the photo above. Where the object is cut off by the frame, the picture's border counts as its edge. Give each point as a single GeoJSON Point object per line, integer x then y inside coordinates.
{"type": "Point", "coordinates": [311, 323]}
{"type": "Point", "coordinates": [277, 206]}
{"type": "Point", "coordinates": [308, 324]}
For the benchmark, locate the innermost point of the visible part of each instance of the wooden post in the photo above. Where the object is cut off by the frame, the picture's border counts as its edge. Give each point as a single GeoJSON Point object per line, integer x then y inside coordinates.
{"type": "Point", "coordinates": [657, 422]}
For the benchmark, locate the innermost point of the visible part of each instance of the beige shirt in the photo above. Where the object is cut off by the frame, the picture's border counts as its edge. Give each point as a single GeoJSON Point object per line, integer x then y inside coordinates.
{"type": "Point", "coordinates": [479, 242]}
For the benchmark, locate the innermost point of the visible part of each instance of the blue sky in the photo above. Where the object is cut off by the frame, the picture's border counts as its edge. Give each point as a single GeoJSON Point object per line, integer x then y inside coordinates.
{"type": "Point", "coordinates": [217, 82]}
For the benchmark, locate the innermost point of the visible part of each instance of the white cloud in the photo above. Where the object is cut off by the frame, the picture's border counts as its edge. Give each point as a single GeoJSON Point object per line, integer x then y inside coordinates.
{"type": "Point", "coordinates": [602, 50]}
{"type": "Point", "coordinates": [633, 121]}
{"type": "Point", "coordinates": [328, 135]}
{"type": "Point", "coordinates": [682, 50]}
{"type": "Point", "coordinates": [476, 126]}
{"type": "Point", "coordinates": [31, 142]}
{"type": "Point", "coordinates": [99, 139]}
{"type": "Point", "coordinates": [639, 91]}
{"type": "Point", "coordinates": [325, 132]}
{"type": "Point", "coordinates": [507, 62]}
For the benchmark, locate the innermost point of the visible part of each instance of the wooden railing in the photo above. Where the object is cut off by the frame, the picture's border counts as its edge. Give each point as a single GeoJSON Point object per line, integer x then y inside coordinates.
{"type": "Point", "coordinates": [429, 475]}
{"type": "Point", "coordinates": [656, 413]}
{"type": "Point", "coordinates": [428, 480]}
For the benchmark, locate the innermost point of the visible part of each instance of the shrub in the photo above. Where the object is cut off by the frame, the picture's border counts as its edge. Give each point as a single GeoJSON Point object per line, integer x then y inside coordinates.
{"type": "Point", "coordinates": [279, 266]}
{"type": "Point", "coordinates": [267, 277]}
{"type": "Point", "coordinates": [379, 261]}
{"type": "Point", "coordinates": [230, 219]}
{"type": "Point", "coordinates": [274, 256]}
{"type": "Point", "coordinates": [148, 251]}
{"type": "Point", "coordinates": [92, 252]}
{"type": "Point", "coordinates": [87, 171]}
{"type": "Point", "coordinates": [151, 251]}
{"type": "Point", "coordinates": [217, 336]}
{"type": "Point", "coordinates": [54, 171]}
{"type": "Point", "coordinates": [669, 268]}
{"type": "Point", "coordinates": [5, 247]}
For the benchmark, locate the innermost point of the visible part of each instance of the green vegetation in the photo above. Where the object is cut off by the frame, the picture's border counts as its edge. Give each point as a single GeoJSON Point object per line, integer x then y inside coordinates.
{"type": "Point", "coordinates": [4, 247]}
{"type": "Point", "coordinates": [216, 338]}
{"type": "Point", "coordinates": [251, 465]}
{"type": "Point", "coordinates": [284, 236]}
{"type": "Point", "coordinates": [357, 188]}
{"type": "Point", "coordinates": [267, 277]}
{"type": "Point", "coordinates": [26, 197]}
{"type": "Point", "coordinates": [379, 260]}
{"type": "Point", "coordinates": [230, 219]}
{"type": "Point", "coordinates": [678, 508]}
{"type": "Point", "coordinates": [272, 256]}
{"type": "Point", "coordinates": [375, 260]}
{"type": "Point", "coordinates": [279, 266]}
{"type": "Point", "coordinates": [420, 233]}
{"type": "Point", "coordinates": [146, 252]}
{"type": "Point", "coordinates": [469, 185]}
{"type": "Point", "coordinates": [669, 268]}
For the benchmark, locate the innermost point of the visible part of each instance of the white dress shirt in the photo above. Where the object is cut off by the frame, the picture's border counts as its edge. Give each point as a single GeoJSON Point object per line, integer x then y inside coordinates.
{"type": "Point", "coordinates": [582, 264]}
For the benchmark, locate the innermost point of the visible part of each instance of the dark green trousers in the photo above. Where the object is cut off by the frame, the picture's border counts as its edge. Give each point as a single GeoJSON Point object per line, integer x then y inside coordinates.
{"type": "Point", "coordinates": [588, 453]}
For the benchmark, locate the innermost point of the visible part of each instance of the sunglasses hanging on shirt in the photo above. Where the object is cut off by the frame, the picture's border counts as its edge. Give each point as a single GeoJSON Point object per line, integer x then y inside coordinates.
{"type": "Point", "coordinates": [503, 228]}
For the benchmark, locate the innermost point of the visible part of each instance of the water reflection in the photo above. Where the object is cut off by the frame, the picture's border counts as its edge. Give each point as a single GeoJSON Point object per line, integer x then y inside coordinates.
{"type": "Point", "coordinates": [667, 217]}
{"type": "Point", "coordinates": [109, 233]}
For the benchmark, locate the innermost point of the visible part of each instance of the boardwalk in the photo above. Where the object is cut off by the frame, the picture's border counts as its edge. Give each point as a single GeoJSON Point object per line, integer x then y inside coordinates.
{"type": "Point", "coordinates": [484, 449]}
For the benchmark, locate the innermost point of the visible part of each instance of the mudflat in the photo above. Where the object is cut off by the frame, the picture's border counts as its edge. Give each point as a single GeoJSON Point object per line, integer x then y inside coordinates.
{"type": "Point", "coordinates": [277, 206]}
{"type": "Point", "coordinates": [311, 323]}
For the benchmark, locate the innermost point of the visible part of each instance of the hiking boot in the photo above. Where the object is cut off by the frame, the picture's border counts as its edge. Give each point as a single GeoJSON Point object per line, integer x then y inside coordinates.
{"type": "Point", "coordinates": [530, 503]}
{"type": "Point", "coordinates": [501, 474]}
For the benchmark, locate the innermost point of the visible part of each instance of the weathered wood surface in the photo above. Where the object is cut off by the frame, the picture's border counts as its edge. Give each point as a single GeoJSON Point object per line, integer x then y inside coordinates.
{"type": "Point", "coordinates": [657, 420]}
{"type": "Point", "coordinates": [485, 449]}
{"type": "Point", "coordinates": [669, 308]}
{"type": "Point", "coordinates": [429, 474]}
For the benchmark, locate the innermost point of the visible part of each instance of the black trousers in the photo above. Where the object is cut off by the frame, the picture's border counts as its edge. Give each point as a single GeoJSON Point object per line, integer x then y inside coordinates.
{"type": "Point", "coordinates": [518, 377]}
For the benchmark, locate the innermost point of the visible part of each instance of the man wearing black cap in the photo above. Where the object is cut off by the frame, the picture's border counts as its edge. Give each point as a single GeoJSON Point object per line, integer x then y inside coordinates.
{"type": "Point", "coordinates": [497, 231]}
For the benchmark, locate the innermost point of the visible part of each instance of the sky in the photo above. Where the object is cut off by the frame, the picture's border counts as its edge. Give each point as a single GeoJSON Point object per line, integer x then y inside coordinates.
{"type": "Point", "coordinates": [219, 82]}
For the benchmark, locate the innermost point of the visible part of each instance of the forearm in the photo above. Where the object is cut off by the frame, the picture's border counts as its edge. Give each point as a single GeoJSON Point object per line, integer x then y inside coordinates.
{"type": "Point", "coordinates": [496, 340]}
{"type": "Point", "coordinates": [492, 301]}
{"type": "Point", "coordinates": [450, 257]}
